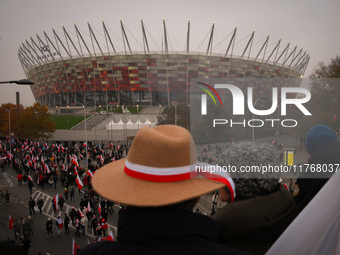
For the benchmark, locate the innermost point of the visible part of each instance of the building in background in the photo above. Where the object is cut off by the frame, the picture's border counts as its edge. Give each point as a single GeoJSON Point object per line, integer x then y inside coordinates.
{"type": "Point", "coordinates": [101, 67]}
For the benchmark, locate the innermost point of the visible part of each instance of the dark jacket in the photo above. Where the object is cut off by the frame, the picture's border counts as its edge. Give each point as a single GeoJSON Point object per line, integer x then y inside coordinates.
{"type": "Point", "coordinates": [254, 224]}
{"type": "Point", "coordinates": [66, 220]}
{"type": "Point", "coordinates": [309, 183]}
{"type": "Point", "coordinates": [49, 225]}
{"type": "Point", "coordinates": [162, 231]}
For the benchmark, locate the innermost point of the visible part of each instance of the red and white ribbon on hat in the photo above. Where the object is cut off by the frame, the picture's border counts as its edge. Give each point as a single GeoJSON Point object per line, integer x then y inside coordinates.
{"type": "Point", "coordinates": [174, 174]}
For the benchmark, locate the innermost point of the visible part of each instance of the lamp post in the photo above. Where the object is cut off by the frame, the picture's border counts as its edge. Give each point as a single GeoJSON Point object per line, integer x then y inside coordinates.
{"type": "Point", "coordinates": [263, 98]}
{"type": "Point", "coordinates": [9, 127]}
{"type": "Point", "coordinates": [175, 113]}
{"type": "Point", "coordinates": [87, 162]}
{"type": "Point", "coordinates": [19, 82]}
{"type": "Point", "coordinates": [278, 124]}
{"type": "Point", "coordinates": [138, 116]}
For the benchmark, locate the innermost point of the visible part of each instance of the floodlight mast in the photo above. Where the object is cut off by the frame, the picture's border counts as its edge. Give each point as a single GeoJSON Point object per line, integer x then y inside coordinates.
{"type": "Point", "coordinates": [19, 82]}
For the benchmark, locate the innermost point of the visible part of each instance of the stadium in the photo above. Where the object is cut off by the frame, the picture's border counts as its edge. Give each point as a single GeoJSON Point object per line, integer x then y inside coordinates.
{"type": "Point", "coordinates": [101, 67]}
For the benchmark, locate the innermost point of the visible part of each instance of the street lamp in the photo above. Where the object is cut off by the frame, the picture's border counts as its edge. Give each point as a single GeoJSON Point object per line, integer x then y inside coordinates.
{"type": "Point", "coordinates": [138, 116]}
{"type": "Point", "coordinates": [87, 161]}
{"type": "Point", "coordinates": [19, 82]}
{"type": "Point", "coordinates": [9, 127]}
{"type": "Point", "coordinates": [263, 98]}
{"type": "Point", "coordinates": [175, 113]}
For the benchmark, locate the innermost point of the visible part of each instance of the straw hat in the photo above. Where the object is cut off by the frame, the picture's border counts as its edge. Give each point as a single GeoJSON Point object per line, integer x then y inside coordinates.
{"type": "Point", "coordinates": [156, 171]}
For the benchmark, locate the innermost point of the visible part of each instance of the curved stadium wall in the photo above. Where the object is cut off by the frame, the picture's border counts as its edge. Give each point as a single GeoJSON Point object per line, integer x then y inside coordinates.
{"type": "Point", "coordinates": [145, 77]}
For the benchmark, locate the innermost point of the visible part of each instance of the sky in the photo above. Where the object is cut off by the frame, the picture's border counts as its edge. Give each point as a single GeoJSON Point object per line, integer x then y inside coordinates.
{"type": "Point", "coordinates": [312, 25]}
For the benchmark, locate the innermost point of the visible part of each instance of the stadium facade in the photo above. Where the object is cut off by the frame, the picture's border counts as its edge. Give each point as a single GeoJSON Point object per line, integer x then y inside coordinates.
{"type": "Point", "coordinates": [67, 69]}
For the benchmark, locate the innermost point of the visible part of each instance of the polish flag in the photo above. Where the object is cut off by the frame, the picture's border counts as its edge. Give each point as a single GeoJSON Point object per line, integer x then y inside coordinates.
{"type": "Point", "coordinates": [29, 177]}
{"type": "Point", "coordinates": [75, 171]}
{"type": "Point", "coordinates": [285, 185]}
{"type": "Point", "coordinates": [101, 159]}
{"type": "Point", "coordinates": [88, 207]}
{"type": "Point", "coordinates": [110, 237]}
{"type": "Point", "coordinates": [277, 133]}
{"type": "Point", "coordinates": [11, 221]}
{"type": "Point", "coordinates": [74, 247]}
{"type": "Point", "coordinates": [46, 169]}
{"type": "Point", "coordinates": [334, 117]}
{"type": "Point", "coordinates": [79, 182]}
{"type": "Point", "coordinates": [75, 161]}
{"type": "Point", "coordinates": [89, 173]}
{"type": "Point", "coordinates": [56, 200]}
{"type": "Point", "coordinates": [81, 156]}
{"type": "Point", "coordinates": [60, 223]}
{"type": "Point", "coordinates": [99, 209]}
{"type": "Point", "coordinates": [80, 213]}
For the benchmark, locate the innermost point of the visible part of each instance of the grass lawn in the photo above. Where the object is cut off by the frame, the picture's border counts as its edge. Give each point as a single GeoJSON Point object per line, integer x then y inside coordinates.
{"type": "Point", "coordinates": [132, 109]}
{"type": "Point", "coordinates": [67, 121]}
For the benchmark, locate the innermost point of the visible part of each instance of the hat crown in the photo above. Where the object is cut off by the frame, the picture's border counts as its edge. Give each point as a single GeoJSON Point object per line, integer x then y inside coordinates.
{"type": "Point", "coordinates": [160, 146]}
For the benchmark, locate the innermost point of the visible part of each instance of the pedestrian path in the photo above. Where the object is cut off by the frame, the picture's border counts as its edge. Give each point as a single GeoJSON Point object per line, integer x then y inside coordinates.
{"type": "Point", "coordinates": [47, 210]}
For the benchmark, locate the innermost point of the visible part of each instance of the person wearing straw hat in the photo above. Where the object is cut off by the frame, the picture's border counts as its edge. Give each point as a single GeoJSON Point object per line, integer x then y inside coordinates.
{"type": "Point", "coordinates": [160, 181]}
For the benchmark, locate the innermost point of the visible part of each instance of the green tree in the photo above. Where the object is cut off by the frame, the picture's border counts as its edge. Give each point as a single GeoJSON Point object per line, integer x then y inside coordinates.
{"type": "Point", "coordinates": [35, 123]}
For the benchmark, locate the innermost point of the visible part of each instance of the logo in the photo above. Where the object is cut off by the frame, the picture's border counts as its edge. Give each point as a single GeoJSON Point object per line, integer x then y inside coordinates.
{"type": "Point", "coordinates": [238, 103]}
{"type": "Point", "coordinates": [204, 97]}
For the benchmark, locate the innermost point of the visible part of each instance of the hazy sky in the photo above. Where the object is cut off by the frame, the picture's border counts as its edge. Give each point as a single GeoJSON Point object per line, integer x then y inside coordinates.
{"type": "Point", "coordinates": [313, 25]}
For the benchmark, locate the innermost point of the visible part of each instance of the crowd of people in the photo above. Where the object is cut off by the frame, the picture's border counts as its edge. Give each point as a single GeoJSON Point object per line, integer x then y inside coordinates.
{"type": "Point", "coordinates": [156, 183]}
{"type": "Point", "coordinates": [48, 165]}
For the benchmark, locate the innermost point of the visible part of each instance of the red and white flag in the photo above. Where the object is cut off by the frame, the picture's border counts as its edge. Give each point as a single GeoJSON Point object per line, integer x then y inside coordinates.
{"type": "Point", "coordinates": [99, 209]}
{"type": "Point", "coordinates": [29, 177]}
{"type": "Point", "coordinates": [74, 247]}
{"type": "Point", "coordinates": [56, 200]}
{"type": "Point", "coordinates": [79, 182]}
{"type": "Point", "coordinates": [101, 159]}
{"type": "Point", "coordinates": [46, 169]}
{"type": "Point", "coordinates": [75, 161]}
{"type": "Point", "coordinates": [60, 223]}
{"type": "Point", "coordinates": [277, 133]}
{"type": "Point", "coordinates": [80, 213]}
{"type": "Point", "coordinates": [88, 207]}
{"type": "Point", "coordinates": [89, 173]}
{"type": "Point", "coordinates": [334, 117]}
{"type": "Point", "coordinates": [11, 221]}
{"type": "Point", "coordinates": [110, 237]}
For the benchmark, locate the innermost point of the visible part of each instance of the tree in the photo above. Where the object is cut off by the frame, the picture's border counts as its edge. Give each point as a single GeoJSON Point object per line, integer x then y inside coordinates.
{"type": "Point", "coordinates": [35, 123]}
{"type": "Point", "coordinates": [4, 118]}
{"type": "Point", "coordinates": [325, 90]}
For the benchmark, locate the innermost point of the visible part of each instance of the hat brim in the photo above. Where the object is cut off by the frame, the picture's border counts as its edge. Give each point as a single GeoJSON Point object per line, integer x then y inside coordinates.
{"type": "Point", "coordinates": [112, 183]}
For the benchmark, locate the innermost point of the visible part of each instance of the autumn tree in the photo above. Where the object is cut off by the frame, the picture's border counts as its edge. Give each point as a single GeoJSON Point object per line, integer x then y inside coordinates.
{"type": "Point", "coordinates": [9, 111]}
{"type": "Point", "coordinates": [35, 123]}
